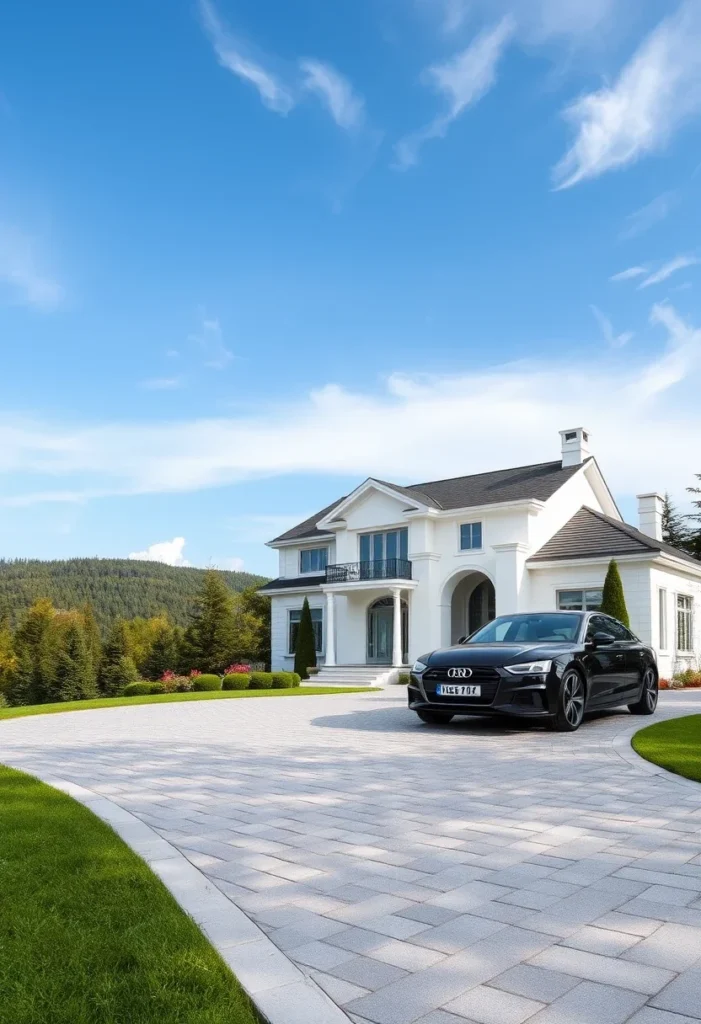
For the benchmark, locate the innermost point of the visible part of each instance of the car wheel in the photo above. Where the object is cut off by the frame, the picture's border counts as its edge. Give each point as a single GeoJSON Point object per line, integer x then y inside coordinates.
{"type": "Point", "coordinates": [570, 703]}
{"type": "Point", "coordinates": [647, 704]}
{"type": "Point", "coordinates": [435, 717]}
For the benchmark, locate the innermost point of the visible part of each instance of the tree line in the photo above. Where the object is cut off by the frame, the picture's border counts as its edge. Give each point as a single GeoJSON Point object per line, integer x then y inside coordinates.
{"type": "Point", "coordinates": [54, 655]}
{"type": "Point", "coordinates": [683, 531]}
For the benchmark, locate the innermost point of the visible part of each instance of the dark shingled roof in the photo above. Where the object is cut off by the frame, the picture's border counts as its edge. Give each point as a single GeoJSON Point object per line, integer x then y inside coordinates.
{"type": "Point", "coordinates": [297, 583]}
{"type": "Point", "coordinates": [591, 534]}
{"type": "Point", "coordinates": [538, 482]}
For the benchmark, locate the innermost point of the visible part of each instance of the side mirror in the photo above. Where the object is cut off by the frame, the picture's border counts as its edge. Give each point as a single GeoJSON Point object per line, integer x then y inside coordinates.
{"type": "Point", "coordinates": [463, 639]}
{"type": "Point", "coordinates": [601, 639]}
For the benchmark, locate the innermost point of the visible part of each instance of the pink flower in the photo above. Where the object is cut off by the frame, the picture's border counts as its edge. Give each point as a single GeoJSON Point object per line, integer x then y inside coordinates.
{"type": "Point", "coordinates": [237, 669]}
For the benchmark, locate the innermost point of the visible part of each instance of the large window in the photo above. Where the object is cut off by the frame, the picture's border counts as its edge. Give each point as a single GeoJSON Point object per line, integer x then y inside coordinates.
{"type": "Point", "coordinates": [662, 618]}
{"type": "Point", "coordinates": [579, 600]}
{"type": "Point", "coordinates": [317, 623]}
{"type": "Point", "coordinates": [471, 537]}
{"type": "Point", "coordinates": [313, 559]}
{"type": "Point", "coordinates": [382, 547]}
{"type": "Point", "coordinates": [684, 623]}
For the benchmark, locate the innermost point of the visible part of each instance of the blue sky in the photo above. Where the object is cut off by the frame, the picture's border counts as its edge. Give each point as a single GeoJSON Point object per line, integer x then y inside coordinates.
{"type": "Point", "coordinates": [252, 252]}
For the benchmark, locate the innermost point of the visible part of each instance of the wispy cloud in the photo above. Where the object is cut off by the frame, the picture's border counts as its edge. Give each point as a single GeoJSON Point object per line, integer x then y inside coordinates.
{"type": "Point", "coordinates": [655, 93]}
{"type": "Point", "coordinates": [653, 213]}
{"type": "Point", "coordinates": [333, 430]}
{"type": "Point", "coordinates": [161, 383]}
{"type": "Point", "coordinates": [168, 551]}
{"type": "Point", "coordinates": [237, 57]}
{"type": "Point", "coordinates": [210, 339]}
{"type": "Point", "coordinates": [630, 274]}
{"type": "Point", "coordinates": [612, 339]}
{"type": "Point", "coordinates": [464, 80]}
{"type": "Point", "coordinates": [21, 275]}
{"type": "Point", "coordinates": [335, 92]}
{"type": "Point", "coordinates": [454, 14]}
{"type": "Point", "coordinates": [666, 271]}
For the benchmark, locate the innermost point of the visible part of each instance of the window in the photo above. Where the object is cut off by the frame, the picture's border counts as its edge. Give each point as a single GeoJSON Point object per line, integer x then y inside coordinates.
{"type": "Point", "coordinates": [684, 634]}
{"type": "Point", "coordinates": [662, 615]}
{"type": "Point", "coordinates": [313, 559]}
{"type": "Point", "coordinates": [317, 623]}
{"type": "Point", "coordinates": [579, 600]}
{"type": "Point", "coordinates": [384, 547]}
{"type": "Point", "coordinates": [471, 537]}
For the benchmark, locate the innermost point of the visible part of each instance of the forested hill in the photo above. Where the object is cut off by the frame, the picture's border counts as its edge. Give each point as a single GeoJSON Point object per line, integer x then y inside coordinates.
{"type": "Point", "coordinates": [114, 586]}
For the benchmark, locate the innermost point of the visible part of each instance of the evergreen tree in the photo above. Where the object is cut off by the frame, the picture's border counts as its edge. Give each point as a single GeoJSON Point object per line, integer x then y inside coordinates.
{"type": "Point", "coordinates": [614, 602]}
{"type": "Point", "coordinates": [693, 537]}
{"type": "Point", "coordinates": [305, 646]}
{"type": "Point", "coordinates": [93, 640]}
{"type": "Point", "coordinates": [118, 667]}
{"type": "Point", "coordinates": [29, 684]}
{"type": "Point", "coordinates": [163, 655]}
{"type": "Point", "coordinates": [674, 529]}
{"type": "Point", "coordinates": [67, 664]}
{"type": "Point", "coordinates": [210, 640]}
{"type": "Point", "coordinates": [8, 658]}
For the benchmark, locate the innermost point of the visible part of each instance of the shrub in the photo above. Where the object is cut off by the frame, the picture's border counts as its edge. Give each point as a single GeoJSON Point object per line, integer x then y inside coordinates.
{"type": "Point", "coordinates": [283, 680]}
{"type": "Point", "coordinates": [142, 688]}
{"type": "Point", "coordinates": [403, 678]}
{"type": "Point", "coordinates": [305, 645]}
{"type": "Point", "coordinates": [238, 669]}
{"type": "Point", "coordinates": [688, 678]}
{"type": "Point", "coordinates": [236, 681]}
{"type": "Point", "coordinates": [665, 684]}
{"type": "Point", "coordinates": [176, 684]}
{"type": "Point", "coordinates": [201, 683]}
{"type": "Point", "coordinates": [261, 680]}
{"type": "Point", "coordinates": [613, 602]}
{"type": "Point", "coordinates": [296, 679]}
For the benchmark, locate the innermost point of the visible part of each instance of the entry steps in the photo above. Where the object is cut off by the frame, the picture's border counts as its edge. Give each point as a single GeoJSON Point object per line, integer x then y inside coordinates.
{"type": "Point", "coordinates": [356, 675]}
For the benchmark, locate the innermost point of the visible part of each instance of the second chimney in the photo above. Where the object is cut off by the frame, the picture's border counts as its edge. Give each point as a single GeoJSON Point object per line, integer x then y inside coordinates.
{"type": "Point", "coordinates": [575, 446]}
{"type": "Point", "coordinates": [650, 514]}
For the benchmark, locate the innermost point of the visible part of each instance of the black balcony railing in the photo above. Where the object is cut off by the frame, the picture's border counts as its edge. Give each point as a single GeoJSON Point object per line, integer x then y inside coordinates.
{"type": "Point", "coordinates": [357, 572]}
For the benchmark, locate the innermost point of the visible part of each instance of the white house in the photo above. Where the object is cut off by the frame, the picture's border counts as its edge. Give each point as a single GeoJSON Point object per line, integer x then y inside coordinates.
{"type": "Point", "coordinates": [392, 572]}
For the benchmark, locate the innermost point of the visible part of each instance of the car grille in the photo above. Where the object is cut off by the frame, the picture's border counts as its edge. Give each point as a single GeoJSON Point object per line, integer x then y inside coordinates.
{"type": "Point", "coordinates": [485, 677]}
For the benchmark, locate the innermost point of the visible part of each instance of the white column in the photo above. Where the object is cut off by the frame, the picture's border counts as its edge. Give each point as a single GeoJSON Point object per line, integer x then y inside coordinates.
{"type": "Point", "coordinates": [397, 660]}
{"type": "Point", "coordinates": [330, 629]}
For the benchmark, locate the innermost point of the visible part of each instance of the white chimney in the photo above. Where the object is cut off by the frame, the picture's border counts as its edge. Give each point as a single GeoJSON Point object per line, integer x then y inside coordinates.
{"type": "Point", "coordinates": [575, 446]}
{"type": "Point", "coordinates": [650, 514]}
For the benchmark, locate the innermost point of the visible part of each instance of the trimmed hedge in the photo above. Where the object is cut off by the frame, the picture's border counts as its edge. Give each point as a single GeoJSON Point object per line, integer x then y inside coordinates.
{"type": "Point", "coordinates": [203, 683]}
{"type": "Point", "coordinates": [261, 681]}
{"type": "Point", "coordinates": [236, 681]}
{"type": "Point", "coordinates": [142, 689]}
{"type": "Point", "coordinates": [283, 680]}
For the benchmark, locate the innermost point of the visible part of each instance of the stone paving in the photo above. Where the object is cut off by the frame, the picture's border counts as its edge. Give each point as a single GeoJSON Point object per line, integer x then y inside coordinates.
{"type": "Point", "coordinates": [472, 873]}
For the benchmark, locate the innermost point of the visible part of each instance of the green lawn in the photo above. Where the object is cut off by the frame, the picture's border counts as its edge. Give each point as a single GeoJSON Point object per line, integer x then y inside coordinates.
{"type": "Point", "coordinates": [674, 745]}
{"type": "Point", "coordinates": [88, 935]}
{"type": "Point", "coordinates": [167, 698]}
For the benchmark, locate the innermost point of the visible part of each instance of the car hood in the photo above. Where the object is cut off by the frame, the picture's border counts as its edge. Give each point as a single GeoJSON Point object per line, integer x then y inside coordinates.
{"type": "Point", "coordinates": [492, 654]}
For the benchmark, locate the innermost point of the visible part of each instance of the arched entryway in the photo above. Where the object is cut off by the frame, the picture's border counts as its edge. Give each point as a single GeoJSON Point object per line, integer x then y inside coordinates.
{"type": "Point", "coordinates": [469, 602]}
{"type": "Point", "coordinates": [380, 631]}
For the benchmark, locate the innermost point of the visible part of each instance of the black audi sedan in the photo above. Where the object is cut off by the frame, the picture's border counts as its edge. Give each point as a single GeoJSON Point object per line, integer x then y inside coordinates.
{"type": "Point", "coordinates": [553, 666]}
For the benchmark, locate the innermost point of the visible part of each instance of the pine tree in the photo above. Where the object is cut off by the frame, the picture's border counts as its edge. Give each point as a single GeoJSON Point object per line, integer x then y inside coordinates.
{"type": "Point", "coordinates": [118, 667]}
{"type": "Point", "coordinates": [93, 640]}
{"type": "Point", "coordinates": [8, 657]}
{"type": "Point", "coordinates": [674, 530]}
{"type": "Point", "coordinates": [210, 640]}
{"type": "Point", "coordinates": [29, 684]}
{"type": "Point", "coordinates": [163, 655]}
{"type": "Point", "coordinates": [305, 646]}
{"type": "Point", "coordinates": [693, 538]}
{"type": "Point", "coordinates": [614, 602]}
{"type": "Point", "coordinates": [67, 665]}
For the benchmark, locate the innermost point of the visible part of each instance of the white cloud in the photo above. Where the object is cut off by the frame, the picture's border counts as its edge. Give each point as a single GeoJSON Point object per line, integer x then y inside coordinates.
{"type": "Point", "coordinates": [333, 431]}
{"type": "Point", "coordinates": [655, 93]}
{"type": "Point", "coordinates": [539, 21]}
{"type": "Point", "coordinates": [20, 273]}
{"type": "Point", "coordinates": [335, 92]}
{"type": "Point", "coordinates": [234, 55]}
{"type": "Point", "coordinates": [653, 213]}
{"type": "Point", "coordinates": [666, 271]}
{"type": "Point", "coordinates": [629, 274]}
{"type": "Point", "coordinates": [168, 551]}
{"type": "Point", "coordinates": [612, 339]}
{"type": "Point", "coordinates": [161, 383]}
{"type": "Point", "coordinates": [210, 340]}
{"type": "Point", "coordinates": [464, 80]}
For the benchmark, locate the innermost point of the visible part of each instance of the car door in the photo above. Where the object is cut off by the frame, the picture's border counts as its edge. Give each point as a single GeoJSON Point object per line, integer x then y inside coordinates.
{"type": "Point", "coordinates": [629, 679]}
{"type": "Point", "coordinates": [605, 663]}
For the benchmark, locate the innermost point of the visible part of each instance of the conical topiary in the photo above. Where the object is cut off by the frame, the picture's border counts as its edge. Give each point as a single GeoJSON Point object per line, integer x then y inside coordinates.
{"type": "Point", "coordinates": [614, 602]}
{"type": "Point", "coordinates": [305, 647]}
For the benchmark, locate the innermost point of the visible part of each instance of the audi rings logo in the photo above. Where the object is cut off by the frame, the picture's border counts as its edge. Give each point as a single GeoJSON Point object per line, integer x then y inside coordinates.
{"type": "Point", "coordinates": [459, 673]}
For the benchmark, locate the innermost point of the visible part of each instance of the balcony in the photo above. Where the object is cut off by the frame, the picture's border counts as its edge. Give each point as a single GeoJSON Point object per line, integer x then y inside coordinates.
{"type": "Point", "coordinates": [360, 572]}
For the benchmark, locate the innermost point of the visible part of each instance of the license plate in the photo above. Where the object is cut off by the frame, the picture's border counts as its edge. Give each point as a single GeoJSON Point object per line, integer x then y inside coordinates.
{"type": "Point", "coordinates": [447, 690]}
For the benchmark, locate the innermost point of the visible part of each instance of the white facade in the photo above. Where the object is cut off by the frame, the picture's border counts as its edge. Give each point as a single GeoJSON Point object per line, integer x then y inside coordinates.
{"type": "Point", "coordinates": [434, 589]}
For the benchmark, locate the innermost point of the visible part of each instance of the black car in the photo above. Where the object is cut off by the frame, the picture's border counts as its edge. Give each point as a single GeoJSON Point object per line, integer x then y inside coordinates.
{"type": "Point", "coordinates": [548, 665]}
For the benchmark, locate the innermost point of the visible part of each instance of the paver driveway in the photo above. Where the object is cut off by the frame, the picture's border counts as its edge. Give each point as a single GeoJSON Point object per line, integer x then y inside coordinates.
{"type": "Point", "coordinates": [443, 875]}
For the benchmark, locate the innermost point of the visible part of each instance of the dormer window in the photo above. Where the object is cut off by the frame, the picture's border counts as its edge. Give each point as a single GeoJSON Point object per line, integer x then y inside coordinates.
{"type": "Point", "coordinates": [313, 560]}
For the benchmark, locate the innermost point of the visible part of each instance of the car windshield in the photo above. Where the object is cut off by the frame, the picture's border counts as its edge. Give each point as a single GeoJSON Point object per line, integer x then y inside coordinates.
{"type": "Point", "coordinates": [547, 627]}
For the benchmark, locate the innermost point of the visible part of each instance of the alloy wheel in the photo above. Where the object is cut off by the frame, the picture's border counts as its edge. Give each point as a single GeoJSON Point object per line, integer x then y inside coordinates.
{"type": "Point", "coordinates": [650, 693]}
{"type": "Point", "coordinates": [573, 698]}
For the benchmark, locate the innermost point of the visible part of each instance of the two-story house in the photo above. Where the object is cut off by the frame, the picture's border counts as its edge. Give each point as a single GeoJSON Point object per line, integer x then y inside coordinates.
{"type": "Point", "coordinates": [392, 572]}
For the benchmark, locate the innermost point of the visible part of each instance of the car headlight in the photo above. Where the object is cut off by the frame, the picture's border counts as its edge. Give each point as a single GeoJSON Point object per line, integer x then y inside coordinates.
{"type": "Point", "coordinates": [530, 668]}
{"type": "Point", "coordinates": [419, 666]}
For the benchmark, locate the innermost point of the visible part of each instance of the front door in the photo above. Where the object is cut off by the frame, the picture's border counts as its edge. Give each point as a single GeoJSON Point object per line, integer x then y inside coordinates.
{"type": "Point", "coordinates": [380, 629]}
